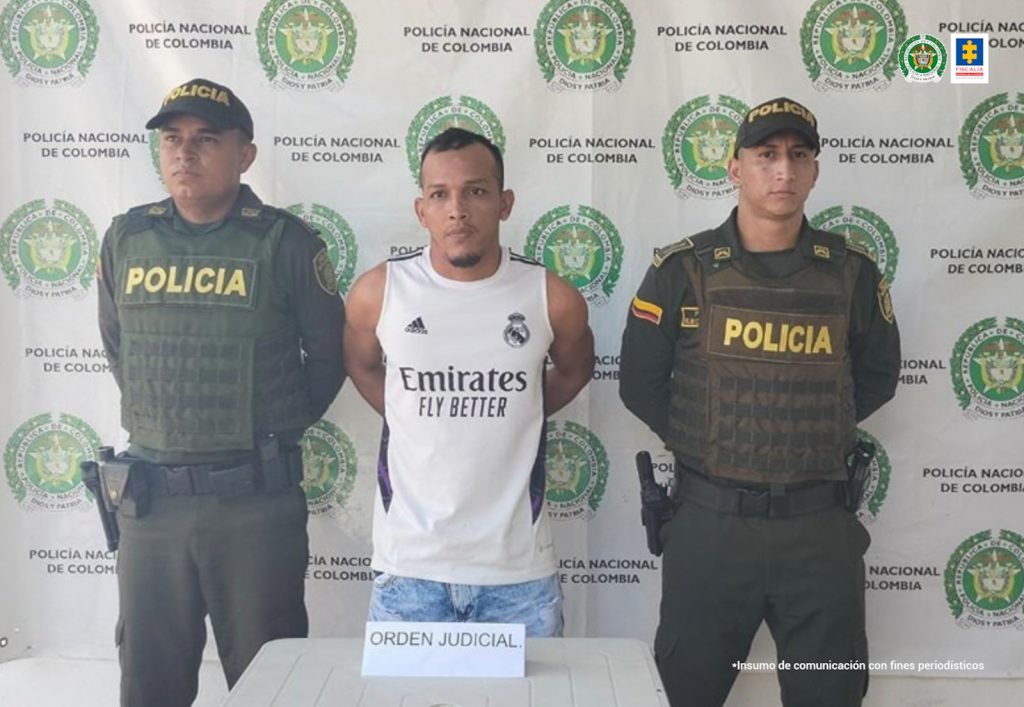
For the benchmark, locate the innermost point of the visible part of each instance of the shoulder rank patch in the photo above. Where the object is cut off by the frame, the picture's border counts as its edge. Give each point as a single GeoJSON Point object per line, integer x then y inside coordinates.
{"type": "Point", "coordinates": [885, 300]}
{"type": "Point", "coordinates": [689, 317]}
{"type": "Point", "coordinates": [324, 269]}
{"type": "Point", "coordinates": [662, 254]}
{"type": "Point", "coordinates": [856, 247]}
{"type": "Point", "coordinates": [250, 212]}
{"type": "Point", "coordinates": [822, 252]}
{"type": "Point", "coordinates": [642, 309]}
{"type": "Point", "coordinates": [157, 210]}
{"type": "Point", "coordinates": [723, 253]}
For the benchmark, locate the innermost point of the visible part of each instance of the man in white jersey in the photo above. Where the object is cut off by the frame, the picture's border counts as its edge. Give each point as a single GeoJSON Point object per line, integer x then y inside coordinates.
{"type": "Point", "coordinates": [449, 344]}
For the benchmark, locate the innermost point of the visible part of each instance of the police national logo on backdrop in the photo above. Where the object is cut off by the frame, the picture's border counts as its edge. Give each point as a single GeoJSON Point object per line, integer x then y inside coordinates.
{"type": "Point", "coordinates": [584, 45]}
{"type": "Point", "coordinates": [697, 144]}
{"type": "Point", "coordinates": [306, 45]}
{"type": "Point", "coordinates": [328, 468]}
{"type": "Point", "coordinates": [865, 231]}
{"type": "Point", "coordinates": [48, 42]}
{"type": "Point", "coordinates": [851, 45]}
{"type": "Point", "coordinates": [342, 249]}
{"type": "Point", "coordinates": [984, 581]}
{"type": "Point", "coordinates": [922, 59]}
{"type": "Point", "coordinates": [450, 112]}
{"type": "Point", "coordinates": [49, 251]}
{"type": "Point", "coordinates": [988, 370]}
{"type": "Point", "coordinates": [876, 487]}
{"type": "Point", "coordinates": [576, 466]}
{"type": "Point", "coordinates": [41, 462]}
{"type": "Point", "coordinates": [582, 245]}
{"type": "Point", "coordinates": [992, 148]}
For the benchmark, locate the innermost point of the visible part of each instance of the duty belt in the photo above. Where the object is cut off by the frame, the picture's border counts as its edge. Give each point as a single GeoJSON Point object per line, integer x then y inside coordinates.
{"type": "Point", "coordinates": [769, 501]}
{"type": "Point", "coordinates": [233, 479]}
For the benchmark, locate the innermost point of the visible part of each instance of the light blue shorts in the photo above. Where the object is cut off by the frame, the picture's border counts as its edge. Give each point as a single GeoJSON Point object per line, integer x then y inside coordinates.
{"type": "Point", "coordinates": [537, 604]}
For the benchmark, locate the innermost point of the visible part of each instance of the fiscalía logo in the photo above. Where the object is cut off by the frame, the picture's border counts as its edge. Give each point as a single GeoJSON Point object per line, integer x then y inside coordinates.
{"type": "Point", "coordinates": [48, 42]}
{"type": "Point", "coordinates": [516, 334]}
{"type": "Point", "coordinates": [922, 59]}
{"type": "Point", "coordinates": [984, 581]}
{"type": "Point", "coordinates": [698, 143]}
{"type": "Point", "coordinates": [866, 230]}
{"type": "Point", "coordinates": [328, 468]}
{"type": "Point", "coordinates": [584, 45]}
{"type": "Point", "coordinates": [877, 486]}
{"type": "Point", "coordinates": [337, 234]}
{"type": "Point", "coordinates": [48, 251]}
{"type": "Point", "coordinates": [582, 245]}
{"type": "Point", "coordinates": [992, 148]}
{"type": "Point", "coordinates": [850, 45]}
{"type": "Point", "coordinates": [988, 370]}
{"type": "Point", "coordinates": [450, 112]}
{"type": "Point", "coordinates": [306, 44]}
{"type": "Point", "coordinates": [577, 471]}
{"type": "Point", "coordinates": [970, 58]}
{"type": "Point", "coordinates": [41, 461]}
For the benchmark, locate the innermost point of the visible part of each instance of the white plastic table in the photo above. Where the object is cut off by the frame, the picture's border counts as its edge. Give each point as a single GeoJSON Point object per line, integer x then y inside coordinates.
{"type": "Point", "coordinates": [560, 672]}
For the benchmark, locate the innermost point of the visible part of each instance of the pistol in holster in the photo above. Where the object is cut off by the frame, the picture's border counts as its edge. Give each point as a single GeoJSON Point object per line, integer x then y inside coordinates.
{"type": "Point", "coordinates": [114, 485]}
{"type": "Point", "coordinates": [858, 463]}
{"type": "Point", "coordinates": [656, 507]}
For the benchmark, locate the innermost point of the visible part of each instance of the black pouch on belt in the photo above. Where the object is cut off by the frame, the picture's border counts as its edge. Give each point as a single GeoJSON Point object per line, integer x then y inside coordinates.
{"type": "Point", "coordinates": [124, 485]}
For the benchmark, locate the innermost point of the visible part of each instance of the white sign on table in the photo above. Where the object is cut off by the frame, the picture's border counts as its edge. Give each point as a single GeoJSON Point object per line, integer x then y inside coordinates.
{"type": "Point", "coordinates": [421, 649]}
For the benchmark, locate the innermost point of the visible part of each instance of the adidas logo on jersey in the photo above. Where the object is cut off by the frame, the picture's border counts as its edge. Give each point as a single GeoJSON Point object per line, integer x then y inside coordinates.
{"type": "Point", "coordinates": [416, 326]}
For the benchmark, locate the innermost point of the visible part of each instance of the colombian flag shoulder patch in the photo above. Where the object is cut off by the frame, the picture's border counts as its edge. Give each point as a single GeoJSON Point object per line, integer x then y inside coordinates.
{"type": "Point", "coordinates": [643, 309]}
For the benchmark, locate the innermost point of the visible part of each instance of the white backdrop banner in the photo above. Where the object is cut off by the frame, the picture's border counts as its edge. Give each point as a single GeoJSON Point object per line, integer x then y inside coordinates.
{"type": "Point", "coordinates": [616, 117]}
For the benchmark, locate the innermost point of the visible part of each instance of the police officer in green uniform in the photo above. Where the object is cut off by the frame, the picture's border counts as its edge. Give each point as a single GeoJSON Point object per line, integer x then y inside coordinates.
{"type": "Point", "coordinates": [752, 350]}
{"type": "Point", "coordinates": [222, 323]}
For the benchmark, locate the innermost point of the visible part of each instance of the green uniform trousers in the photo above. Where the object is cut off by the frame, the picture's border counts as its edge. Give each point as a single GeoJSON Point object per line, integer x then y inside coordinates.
{"type": "Point", "coordinates": [242, 560]}
{"type": "Point", "coordinates": [723, 574]}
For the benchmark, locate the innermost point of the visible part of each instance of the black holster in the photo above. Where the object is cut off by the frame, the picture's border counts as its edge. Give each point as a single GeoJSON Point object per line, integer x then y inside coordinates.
{"type": "Point", "coordinates": [656, 508]}
{"type": "Point", "coordinates": [106, 503]}
{"type": "Point", "coordinates": [858, 464]}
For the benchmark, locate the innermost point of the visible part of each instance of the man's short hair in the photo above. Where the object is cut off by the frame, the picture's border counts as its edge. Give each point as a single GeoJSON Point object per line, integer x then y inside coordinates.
{"type": "Point", "coordinates": [456, 139]}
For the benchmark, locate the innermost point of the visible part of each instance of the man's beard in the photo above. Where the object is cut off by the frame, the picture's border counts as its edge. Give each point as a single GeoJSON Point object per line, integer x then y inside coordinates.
{"type": "Point", "coordinates": [466, 261]}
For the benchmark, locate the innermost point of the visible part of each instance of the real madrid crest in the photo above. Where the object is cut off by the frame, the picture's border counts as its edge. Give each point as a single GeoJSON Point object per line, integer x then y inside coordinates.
{"type": "Point", "coordinates": [516, 333]}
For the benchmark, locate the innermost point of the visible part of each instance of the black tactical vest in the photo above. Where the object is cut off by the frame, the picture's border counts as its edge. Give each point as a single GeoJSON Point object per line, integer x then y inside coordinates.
{"type": "Point", "coordinates": [209, 363]}
{"type": "Point", "coordinates": [764, 392]}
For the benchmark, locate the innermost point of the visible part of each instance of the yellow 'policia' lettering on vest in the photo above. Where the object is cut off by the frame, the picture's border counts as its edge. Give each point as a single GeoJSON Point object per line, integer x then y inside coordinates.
{"type": "Point", "coordinates": [797, 338]}
{"type": "Point", "coordinates": [201, 280]}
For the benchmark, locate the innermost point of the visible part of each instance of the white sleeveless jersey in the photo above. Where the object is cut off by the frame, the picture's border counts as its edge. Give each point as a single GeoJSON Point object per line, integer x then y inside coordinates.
{"type": "Point", "coordinates": [460, 495]}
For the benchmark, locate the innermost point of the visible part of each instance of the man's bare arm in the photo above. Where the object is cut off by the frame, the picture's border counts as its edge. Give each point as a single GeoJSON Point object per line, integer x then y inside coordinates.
{"type": "Point", "coordinates": [363, 354]}
{"type": "Point", "coordinates": [572, 351]}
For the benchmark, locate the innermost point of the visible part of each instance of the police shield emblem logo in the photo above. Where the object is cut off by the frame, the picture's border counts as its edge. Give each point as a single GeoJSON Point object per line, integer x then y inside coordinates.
{"type": "Point", "coordinates": [48, 251]}
{"type": "Point", "coordinates": [984, 581]}
{"type": "Point", "coordinates": [988, 369]}
{"type": "Point", "coordinates": [864, 229]}
{"type": "Point", "coordinates": [450, 112]}
{"type": "Point", "coordinates": [582, 245]}
{"type": "Point", "coordinates": [697, 144]}
{"type": "Point", "coordinates": [850, 45]}
{"type": "Point", "coordinates": [342, 248]}
{"type": "Point", "coordinates": [992, 148]}
{"type": "Point", "coordinates": [48, 42]}
{"type": "Point", "coordinates": [307, 44]}
{"type": "Point", "coordinates": [328, 468]}
{"type": "Point", "coordinates": [41, 461]}
{"type": "Point", "coordinates": [584, 45]}
{"type": "Point", "coordinates": [577, 471]}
